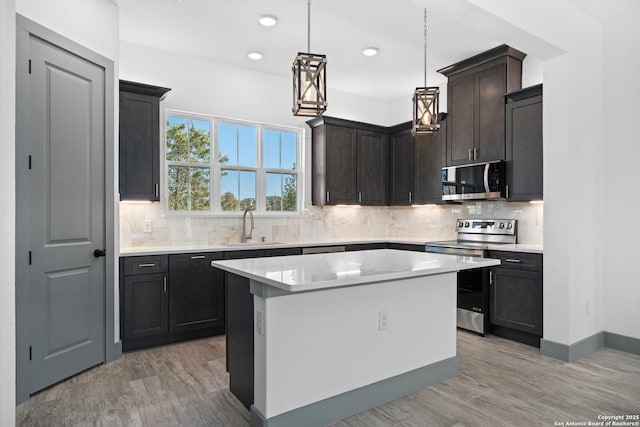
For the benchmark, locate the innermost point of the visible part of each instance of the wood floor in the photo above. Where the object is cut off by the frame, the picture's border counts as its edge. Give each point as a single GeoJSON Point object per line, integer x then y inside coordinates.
{"type": "Point", "coordinates": [501, 383]}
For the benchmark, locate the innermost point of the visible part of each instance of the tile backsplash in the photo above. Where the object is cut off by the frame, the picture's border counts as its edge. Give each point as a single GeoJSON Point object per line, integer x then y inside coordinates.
{"type": "Point", "coordinates": [424, 222]}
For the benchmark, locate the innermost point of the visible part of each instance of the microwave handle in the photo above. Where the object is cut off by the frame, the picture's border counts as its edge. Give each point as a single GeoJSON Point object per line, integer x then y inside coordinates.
{"type": "Point", "coordinates": [486, 178]}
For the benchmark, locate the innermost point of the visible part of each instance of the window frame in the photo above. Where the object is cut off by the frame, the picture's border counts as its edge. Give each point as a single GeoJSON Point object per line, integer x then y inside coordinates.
{"type": "Point", "coordinates": [216, 168]}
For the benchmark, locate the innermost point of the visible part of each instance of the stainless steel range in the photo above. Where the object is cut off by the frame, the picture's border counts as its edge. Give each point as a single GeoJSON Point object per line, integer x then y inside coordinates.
{"type": "Point", "coordinates": [474, 236]}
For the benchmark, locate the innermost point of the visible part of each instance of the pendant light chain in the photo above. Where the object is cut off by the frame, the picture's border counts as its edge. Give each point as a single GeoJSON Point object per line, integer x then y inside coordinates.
{"type": "Point", "coordinates": [425, 46]}
{"type": "Point", "coordinates": [309, 26]}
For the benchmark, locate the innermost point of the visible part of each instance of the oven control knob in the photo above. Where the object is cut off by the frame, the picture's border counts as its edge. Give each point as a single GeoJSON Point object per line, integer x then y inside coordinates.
{"type": "Point", "coordinates": [509, 226]}
{"type": "Point", "coordinates": [502, 225]}
{"type": "Point", "coordinates": [466, 224]}
{"type": "Point", "coordinates": [460, 224]}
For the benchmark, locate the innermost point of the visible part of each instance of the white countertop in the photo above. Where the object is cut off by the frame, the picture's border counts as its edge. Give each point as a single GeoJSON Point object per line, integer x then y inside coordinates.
{"type": "Point", "coordinates": [183, 249]}
{"type": "Point", "coordinates": [518, 247]}
{"type": "Point", "coordinates": [321, 271]}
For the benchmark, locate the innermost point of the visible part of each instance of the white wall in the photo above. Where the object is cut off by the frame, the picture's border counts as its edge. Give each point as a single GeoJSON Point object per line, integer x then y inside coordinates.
{"type": "Point", "coordinates": [573, 150]}
{"type": "Point", "coordinates": [204, 86]}
{"type": "Point", "coordinates": [7, 213]}
{"type": "Point", "coordinates": [621, 197]}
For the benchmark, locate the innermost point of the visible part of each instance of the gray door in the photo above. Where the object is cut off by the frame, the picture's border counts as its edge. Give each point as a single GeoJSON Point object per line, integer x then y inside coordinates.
{"type": "Point", "coordinates": [67, 214]}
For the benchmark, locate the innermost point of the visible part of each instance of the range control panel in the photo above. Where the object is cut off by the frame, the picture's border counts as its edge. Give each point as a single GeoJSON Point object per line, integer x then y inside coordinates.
{"type": "Point", "coordinates": [486, 226]}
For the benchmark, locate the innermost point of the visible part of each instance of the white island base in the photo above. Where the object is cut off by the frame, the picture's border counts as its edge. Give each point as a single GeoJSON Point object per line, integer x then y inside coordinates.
{"type": "Point", "coordinates": [324, 353]}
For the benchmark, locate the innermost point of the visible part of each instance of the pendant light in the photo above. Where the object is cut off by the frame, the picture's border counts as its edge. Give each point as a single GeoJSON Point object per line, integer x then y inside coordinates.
{"type": "Point", "coordinates": [425, 100]}
{"type": "Point", "coordinates": [309, 79]}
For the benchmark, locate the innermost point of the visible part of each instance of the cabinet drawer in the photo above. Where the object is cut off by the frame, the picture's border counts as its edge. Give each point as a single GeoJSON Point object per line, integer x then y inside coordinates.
{"type": "Point", "coordinates": [518, 260]}
{"type": "Point", "coordinates": [145, 264]}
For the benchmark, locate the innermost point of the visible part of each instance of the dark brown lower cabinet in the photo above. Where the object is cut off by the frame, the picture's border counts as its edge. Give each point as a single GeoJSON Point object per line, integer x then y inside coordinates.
{"type": "Point", "coordinates": [145, 306]}
{"type": "Point", "coordinates": [515, 297]}
{"type": "Point", "coordinates": [196, 294]}
{"type": "Point", "coordinates": [166, 299]}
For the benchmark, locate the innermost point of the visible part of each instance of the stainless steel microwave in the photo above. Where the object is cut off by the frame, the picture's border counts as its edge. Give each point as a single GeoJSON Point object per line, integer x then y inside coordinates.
{"type": "Point", "coordinates": [479, 181]}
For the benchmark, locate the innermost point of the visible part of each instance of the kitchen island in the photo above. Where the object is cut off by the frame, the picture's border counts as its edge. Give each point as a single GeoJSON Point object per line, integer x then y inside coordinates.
{"type": "Point", "coordinates": [315, 338]}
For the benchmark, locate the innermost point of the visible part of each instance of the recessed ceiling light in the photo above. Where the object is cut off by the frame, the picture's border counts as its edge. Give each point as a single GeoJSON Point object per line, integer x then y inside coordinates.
{"type": "Point", "coordinates": [268, 20]}
{"type": "Point", "coordinates": [370, 51]}
{"type": "Point", "coordinates": [256, 56]}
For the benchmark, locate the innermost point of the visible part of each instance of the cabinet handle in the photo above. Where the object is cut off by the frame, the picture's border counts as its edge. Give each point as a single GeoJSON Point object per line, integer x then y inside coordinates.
{"type": "Point", "coordinates": [328, 198]}
{"type": "Point", "coordinates": [475, 153]}
{"type": "Point", "coordinates": [147, 265]}
{"type": "Point", "coordinates": [164, 284]}
{"type": "Point", "coordinates": [157, 191]}
{"type": "Point", "coordinates": [198, 257]}
{"type": "Point", "coordinates": [409, 197]}
{"type": "Point", "coordinates": [490, 277]}
{"type": "Point", "coordinates": [470, 154]}
{"type": "Point", "coordinates": [359, 197]}
{"type": "Point", "coordinates": [512, 260]}
{"type": "Point", "coordinates": [507, 189]}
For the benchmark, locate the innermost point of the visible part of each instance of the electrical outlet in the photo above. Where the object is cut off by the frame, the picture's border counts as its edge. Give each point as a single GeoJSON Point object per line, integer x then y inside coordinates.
{"type": "Point", "coordinates": [259, 322]}
{"type": "Point", "coordinates": [383, 320]}
{"type": "Point", "coordinates": [147, 226]}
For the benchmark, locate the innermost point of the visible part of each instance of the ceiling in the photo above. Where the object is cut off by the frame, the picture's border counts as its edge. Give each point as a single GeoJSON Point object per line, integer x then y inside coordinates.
{"type": "Point", "coordinates": [227, 30]}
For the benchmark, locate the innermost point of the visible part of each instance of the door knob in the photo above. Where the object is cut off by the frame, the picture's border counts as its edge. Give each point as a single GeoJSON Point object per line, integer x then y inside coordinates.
{"type": "Point", "coordinates": [99, 252]}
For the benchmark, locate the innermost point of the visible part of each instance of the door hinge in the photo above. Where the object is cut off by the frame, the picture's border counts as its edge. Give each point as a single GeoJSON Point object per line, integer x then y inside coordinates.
{"type": "Point", "coordinates": [29, 257]}
{"type": "Point", "coordinates": [29, 66]}
{"type": "Point", "coordinates": [29, 162]}
{"type": "Point", "coordinates": [30, 353]}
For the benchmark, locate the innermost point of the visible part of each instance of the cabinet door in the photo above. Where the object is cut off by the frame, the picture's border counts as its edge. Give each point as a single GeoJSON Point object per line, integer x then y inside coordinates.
{"type": "Point", "coordinates": [340, 173]}
{"type": "Point", "coordinates": [490, 88]}
{"type": "Point", "coordinates": [145, 306]}
{"type": "Point", "coordinates": [372, 160]}
{"type": "Point", "coordinates": [401, 168]}
{"type": "Point", "coordinates": [139, 147]}
{"type": "Point", "coordinates": [428, 166]}
{"type": "Point", "coordinates": [524, 149]}
{"type": "Point", "coordinates": [460, 129]}
{"type": "Point", "coordinates": [516, 300]}
{"type": "Point", "coordinates": [196, 293]}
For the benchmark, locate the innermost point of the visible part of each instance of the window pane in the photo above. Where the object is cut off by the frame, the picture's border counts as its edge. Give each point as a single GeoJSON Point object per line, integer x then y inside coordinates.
{"type": "Point", "coordinates": [274, 192]}
{"type": "Point", "coordinates": [289, 193]}
{"type": "Point", "coordinates": [199, 141]}
{"type": "Point", "coordinates": [227, 144]}
{"type": "Point", "coordinates": [247, 146]}
{"type": "Point", "coordinates": [200, 178]}
{"type": "Point", "coordinates": [237, 190]}
{"type": "Point", "coordinates": [271, 149]}
{"type": "Point", "coordinates": [238, 145]}
{"type": "Point", "coordinates": [178, 188]}
{"type": "Point", "coordinates": [189, 188]}
{"type": "Point", "coordinates": [280, 149]}
{"type": "Point", "coordinates": [229, 190]}
{"type": "Point", "coordinates": [247, 190]}
{"type": "Point", "coordinates": [177, 139]}
{"type": "Point", "coordinates": [282, 192]}
{"type": "Point", "coordinates": [289, 148]}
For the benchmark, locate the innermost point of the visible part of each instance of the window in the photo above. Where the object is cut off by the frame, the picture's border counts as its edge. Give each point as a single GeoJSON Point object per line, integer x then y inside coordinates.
{"type": "Point", "coordinates": [256, 166]}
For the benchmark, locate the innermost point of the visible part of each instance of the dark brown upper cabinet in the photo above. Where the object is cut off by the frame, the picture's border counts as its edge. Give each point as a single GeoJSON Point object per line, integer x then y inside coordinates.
{"type": "Point", "coordinates": [524, 144]}
{"type": "Point", "coordinates": [429, 160]}
{"type": "Point", "coordinates": [401, 170]}
{"type": "Point", "coordinates": [140, 141]}
{"type": "Point", "coordinates": [349, 162]}
{"type": "Point", "coordinates": [475, 101]}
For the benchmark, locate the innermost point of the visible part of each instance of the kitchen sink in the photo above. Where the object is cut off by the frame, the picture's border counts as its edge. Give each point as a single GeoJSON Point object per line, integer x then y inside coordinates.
{"type": "Point", "coordinates": [253, 244]}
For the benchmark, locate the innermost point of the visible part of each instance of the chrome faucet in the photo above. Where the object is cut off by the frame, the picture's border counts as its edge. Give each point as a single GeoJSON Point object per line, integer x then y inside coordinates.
{"type": "Point", "coordinates": [246, 236]}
